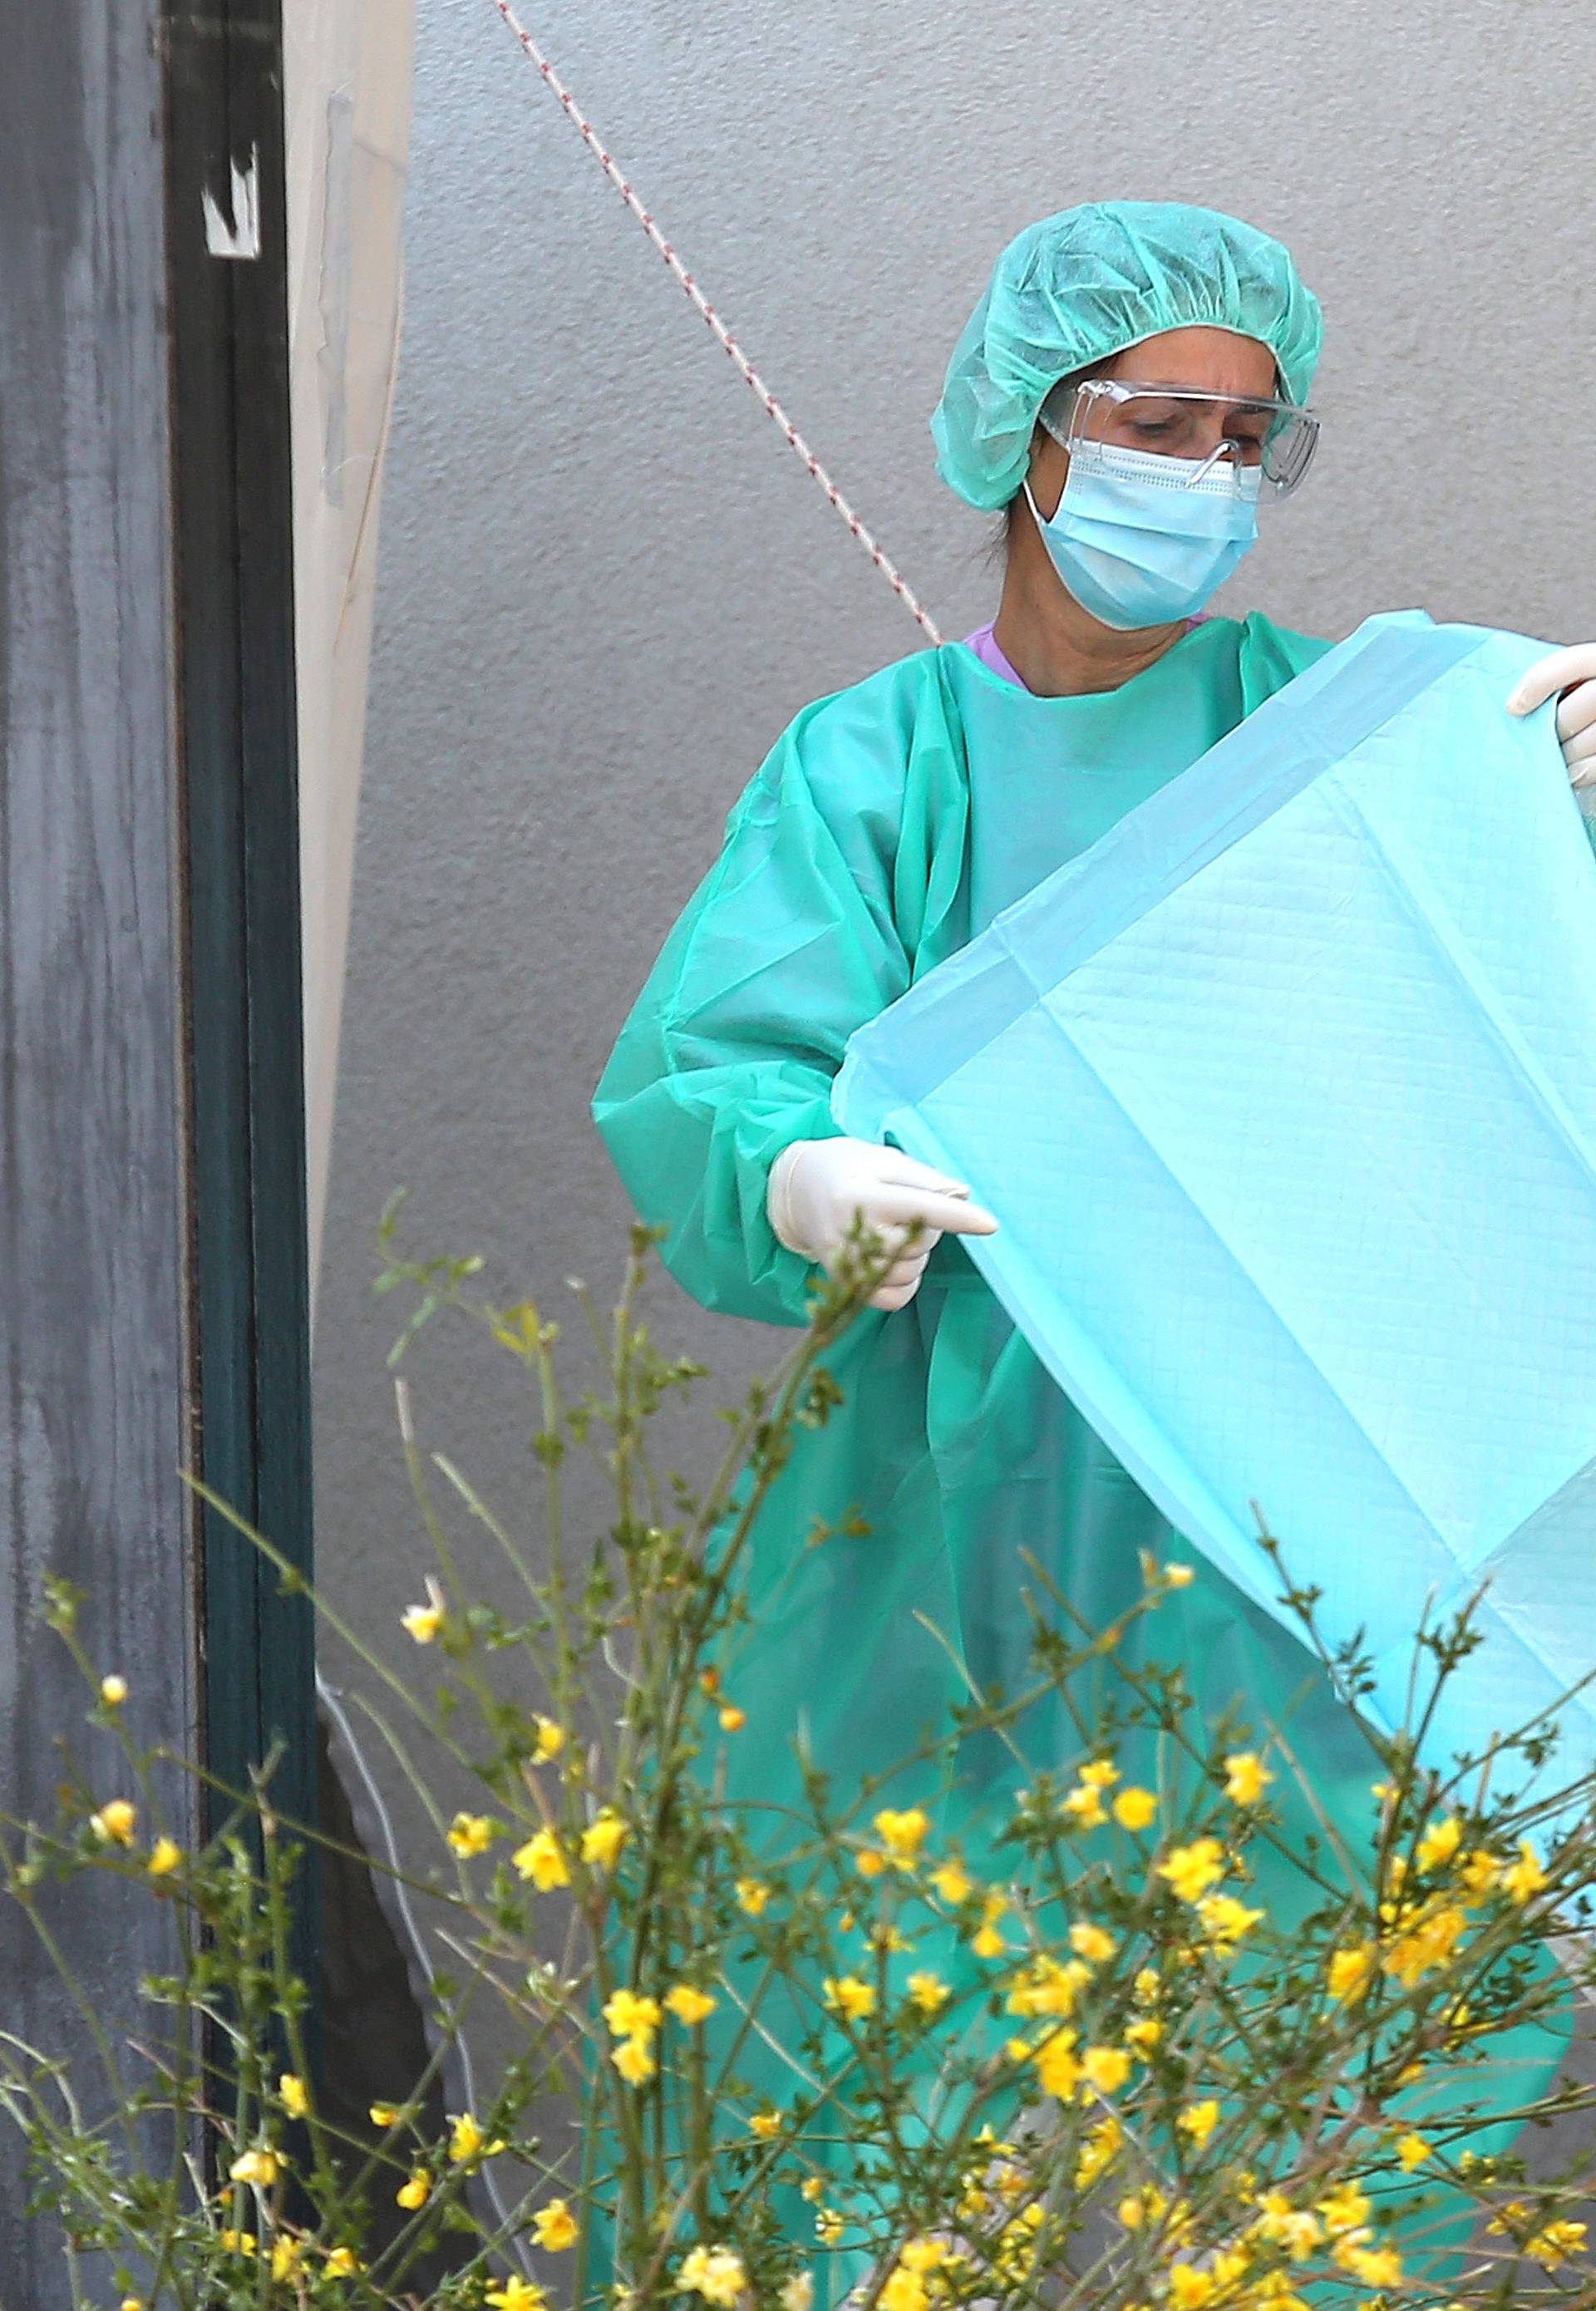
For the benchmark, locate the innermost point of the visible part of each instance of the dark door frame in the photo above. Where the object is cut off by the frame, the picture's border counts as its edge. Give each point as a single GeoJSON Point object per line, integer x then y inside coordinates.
{"type": "Point", "coordinates": [233, 576]}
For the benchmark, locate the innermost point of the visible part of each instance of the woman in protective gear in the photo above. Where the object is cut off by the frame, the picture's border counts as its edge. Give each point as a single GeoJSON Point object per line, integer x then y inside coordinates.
{"type": "Point", "coordinates": [1132, 389]}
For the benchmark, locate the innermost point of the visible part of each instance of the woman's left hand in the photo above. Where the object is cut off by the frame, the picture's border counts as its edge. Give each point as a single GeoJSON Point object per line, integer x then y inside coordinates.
{"type": "Point", "coordinates": [1572, 671]}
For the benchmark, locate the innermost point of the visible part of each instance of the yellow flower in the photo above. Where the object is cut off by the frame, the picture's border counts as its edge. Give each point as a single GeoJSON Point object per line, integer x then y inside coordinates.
{"type": "Point", "coordinates": [517, 2295]}
{"type": "Point", "coordinates": [1439, 1843]}
{"type": "Point", "coordinates": [764, 2124]}
{"type": "Point", "coordinates": [342, 2262]}
{"type": "Point", "coordinates": [113, 1691]}
{"type": "Point", "coordinates": [828, 2227]}
{"type": "Point", "coordinates": [929, 1991]}
{"type": "Point", "coordinates": [296, 2102]}
{"type": "Point", "coordinates": [1345, 2210]}
{"type": "Point", "coordinates": [114, 1823]}
{"type": "Point", "coordinates": [1459, 2017]}
{"type": "Point", "coordinates": [1097, 2153]}
{"type": "Point", "coordinates": [812, 2187]}
{"type": "Point", "coordinates": [903, 2290]}
{"type": "Point", "coordinates": [1192, 1869]}
{"type": "Point", "coordinates": [1430, 1942]}
{"type": "Point", "coordinates": [846, 1994]}
{"type": "Point", "coordinates": [1092, 1942]}
{"type": "Point", "coordinates": [287, 2257]}
{"type": "Point", "coordinates": [1524, 1877]}
{"type": "Point", "coordinates": [1143, 2034]}
{"type": "Point", "coordinates": [603, 1838]}
{"type": "Point", "coordinates": [951, 1884]}
{"type": "Point", "coordinates": [259, 2167]}
{"type": "Point", "coordinates": [1556, 2243]}
{"type": "Point", "coordinates": [1135, 1808]}
{"type": "Point", "coordinates": [798, 2293]}
{"type": "Point", "coordinates": [384, 2113]}
{"type": "Point", "coordinates": [422, 1623]}
{"type": "Point", "coordinates": [1190, 2288]}
{"type": "Point", "coordinates": [903, 1834]}
{"type": "Point", "coordinates": [752, 1895]}
{"type": "Point", "coordinates": [922, 2254]}
{"type": "Point", "coordinates": [1396, 1871]}
{"type": "Point", "coordinates": [1225, 1919]}
{"type": "Point", "coordinates": [1047, 1987]}
{"type": "Point", "coordinates": [986, 1942]}
{"type": "Point", "coordinates": [1016, 2244]}
{"type": "Point", "coordinates": [1101, 1774]}
{"type": "Point", "coordinates": [1143, 2206]}
{"type": "Point", "coordinates": [732, 1718]}
{"type": "Point", "coordinates": [1179, 1576]}
{"type": "Point", "coordinates": [466, 2141]}
{"type": "Point", "coordinates": [556, 2225]}
{"type": "Point", "coordinates": [630, 2016]}
{"type": "Point", "coordinates": [1106, 2068]}
{"type": "Point", "coordinates": [1057, 2070]}
{"type": "Point", "coordinates": [1199, 2120]}
{"type": "Point", "coordinates": [238, 2242]}
{"type": "Point", "coordinates": [543, 1860]}
{"type": "Point", "coordinates": [1245, 1777]}
{"type": "Point", "coordinates": [1281, 2224]}
{"type": "Point", "coordinates": [971, 2201]}
{"type": "Point", "coordinates": [551, 1740]}
{"type": "Point", "coordinates": [715, 2272]}
{"type": "Point", "coordinates": [417, 2191]}
{"type": "Point", "coordinates": [1412, 2150]}
{"type": "Point", "coordinates": [689, 2005]}
{"type": "Point", "coordinates": [1084, 1805]}
{"type": "Point", "coordinates": [633, 2059]}
{"type": "Point", "coordinates": [1376, 2266]}
{"type": "Point", "coordinates": [1350, 1972]}
{"type": "Point", "coordinates": [165, 1856]}
{"type": "Point", "coordinates": [1478, 1871]}
{"type": "Point", "coordinates": [868, 1862]}
{"type": "Point", "coordinates": [1146, 1985]}
{"type": "Point", "coordinates": [472, 1833]}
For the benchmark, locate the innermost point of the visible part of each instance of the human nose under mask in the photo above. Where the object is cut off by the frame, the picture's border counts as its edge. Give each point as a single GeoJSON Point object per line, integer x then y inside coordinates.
{"type": "Point", "coordinates": [1140, 539]}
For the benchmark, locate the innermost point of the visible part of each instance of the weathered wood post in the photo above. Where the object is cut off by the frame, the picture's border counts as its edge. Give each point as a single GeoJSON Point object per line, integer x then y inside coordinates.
{"type": "Point", "coordinates": [152, 1288]}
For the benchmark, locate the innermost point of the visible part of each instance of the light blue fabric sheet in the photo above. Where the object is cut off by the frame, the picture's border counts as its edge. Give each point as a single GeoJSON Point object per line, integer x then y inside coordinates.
{"type": "Point", "coordinates": [1285, 1096]}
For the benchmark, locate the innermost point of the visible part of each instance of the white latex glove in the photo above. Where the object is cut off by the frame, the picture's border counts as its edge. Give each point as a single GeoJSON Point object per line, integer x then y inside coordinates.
{"type": "Point", "coordinates": [1572, 671]}
{"type": "Point", "coordinates": [818, 1189]}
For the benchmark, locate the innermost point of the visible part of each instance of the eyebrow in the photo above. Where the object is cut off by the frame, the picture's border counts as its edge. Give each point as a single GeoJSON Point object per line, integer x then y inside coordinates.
{"type": "Point", "coordinates": [1241, 405]}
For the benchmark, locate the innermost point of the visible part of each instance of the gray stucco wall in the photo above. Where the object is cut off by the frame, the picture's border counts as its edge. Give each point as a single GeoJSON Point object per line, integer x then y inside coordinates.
{"type": "Point", "coordinates": [606, 584]}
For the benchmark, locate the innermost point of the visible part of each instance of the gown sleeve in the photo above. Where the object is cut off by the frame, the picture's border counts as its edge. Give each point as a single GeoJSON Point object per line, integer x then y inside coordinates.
{"type": "Point", "coordinates": [788, 946]}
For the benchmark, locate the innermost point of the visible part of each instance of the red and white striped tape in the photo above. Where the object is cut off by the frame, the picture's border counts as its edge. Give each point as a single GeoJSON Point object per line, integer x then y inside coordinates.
{"type": "Point", "coordinates": [717, 326]}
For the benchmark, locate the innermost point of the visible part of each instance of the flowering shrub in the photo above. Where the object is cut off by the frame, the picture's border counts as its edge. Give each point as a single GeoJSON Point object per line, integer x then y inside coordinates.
{"type": "Point", "coordinates": [1101, 2075]}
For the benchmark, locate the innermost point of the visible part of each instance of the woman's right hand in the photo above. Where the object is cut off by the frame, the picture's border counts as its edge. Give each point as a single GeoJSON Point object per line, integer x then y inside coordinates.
{"type": "Point", "coordinates": [818, 1189]}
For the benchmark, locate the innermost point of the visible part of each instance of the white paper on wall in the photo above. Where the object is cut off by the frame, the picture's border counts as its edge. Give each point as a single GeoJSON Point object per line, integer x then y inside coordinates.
{"type": "Point", "coordinates": [348, 69]}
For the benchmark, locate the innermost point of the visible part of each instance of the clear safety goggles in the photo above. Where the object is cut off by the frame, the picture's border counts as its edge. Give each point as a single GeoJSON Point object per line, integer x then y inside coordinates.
{"type": "Point", "coordinates": [1208, 430]}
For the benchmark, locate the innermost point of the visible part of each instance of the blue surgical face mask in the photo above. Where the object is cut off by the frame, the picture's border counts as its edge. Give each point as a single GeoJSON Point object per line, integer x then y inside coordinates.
{"type": "Point", "coordinates": [1141, 540]}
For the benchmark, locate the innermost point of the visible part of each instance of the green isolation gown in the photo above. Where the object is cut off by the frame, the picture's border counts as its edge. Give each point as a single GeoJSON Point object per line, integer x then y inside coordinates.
{"type": "Point", "coordinates": [888, 825]}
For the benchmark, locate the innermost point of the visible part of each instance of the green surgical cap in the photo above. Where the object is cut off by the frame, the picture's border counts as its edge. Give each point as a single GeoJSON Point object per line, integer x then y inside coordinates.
{"type": "Point", "coordinates": [1082, 285]}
